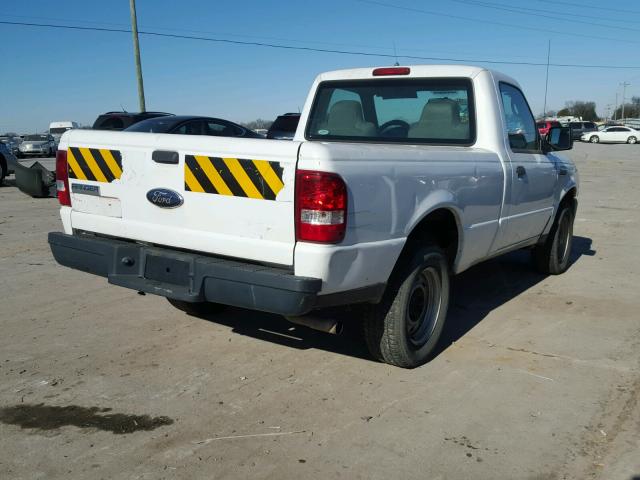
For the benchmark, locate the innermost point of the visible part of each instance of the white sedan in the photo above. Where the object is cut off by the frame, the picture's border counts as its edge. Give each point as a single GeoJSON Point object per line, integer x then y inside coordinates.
{"type": "Point", "coordinates": [612, 135]}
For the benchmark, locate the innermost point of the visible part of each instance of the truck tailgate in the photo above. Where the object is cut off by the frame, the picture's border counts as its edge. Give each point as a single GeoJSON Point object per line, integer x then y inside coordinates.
{"type": "Point", "coordinates": [235, 195]}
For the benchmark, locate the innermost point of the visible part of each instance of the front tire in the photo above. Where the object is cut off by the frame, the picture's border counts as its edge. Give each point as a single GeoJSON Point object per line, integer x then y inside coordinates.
{"type": "Point", "coordinates": [197, 309]}
{"type": "Point", "coordinates": [404, 329]}
{"type": "Point", "coordinates": [552, 257]}
{"type": "Point", "coordinates": [632, 140]}
{"type": "Point", "coordinates": [594, 139]}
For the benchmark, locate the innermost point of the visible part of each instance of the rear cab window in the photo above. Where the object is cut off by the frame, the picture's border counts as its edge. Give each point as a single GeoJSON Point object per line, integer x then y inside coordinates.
{"type": "Point", "coordinates": [407, 110]}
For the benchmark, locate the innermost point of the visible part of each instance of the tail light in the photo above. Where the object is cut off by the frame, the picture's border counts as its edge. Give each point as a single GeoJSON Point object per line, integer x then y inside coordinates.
{"type": "Point", "coordinates": [321, 207]}
{"type": "Point", "coordinates": [62, 178]}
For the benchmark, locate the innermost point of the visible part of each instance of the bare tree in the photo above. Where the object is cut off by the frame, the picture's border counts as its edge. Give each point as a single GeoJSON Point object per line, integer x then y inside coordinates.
{"type": "Point", "coordinates": [579, 108]}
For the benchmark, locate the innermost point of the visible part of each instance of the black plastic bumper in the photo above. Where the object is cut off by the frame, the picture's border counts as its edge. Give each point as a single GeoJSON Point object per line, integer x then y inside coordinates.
{"type": "Point", "coordinates": [187, 276]}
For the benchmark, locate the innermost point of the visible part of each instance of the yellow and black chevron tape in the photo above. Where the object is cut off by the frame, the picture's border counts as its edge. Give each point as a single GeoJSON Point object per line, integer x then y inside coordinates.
{"type": "Point", "coordinates": [97, 165]}
{"type": "Point", "coordinates": [258, 179]}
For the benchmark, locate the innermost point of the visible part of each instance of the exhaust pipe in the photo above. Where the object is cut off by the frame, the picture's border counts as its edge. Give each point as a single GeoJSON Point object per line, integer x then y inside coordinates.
{"type": "Point", "coordinates": [326, 325]}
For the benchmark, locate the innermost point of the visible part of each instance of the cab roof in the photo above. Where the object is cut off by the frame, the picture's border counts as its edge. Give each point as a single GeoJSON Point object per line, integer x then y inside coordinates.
{"type": "Point", "coordinates": [415, 71]}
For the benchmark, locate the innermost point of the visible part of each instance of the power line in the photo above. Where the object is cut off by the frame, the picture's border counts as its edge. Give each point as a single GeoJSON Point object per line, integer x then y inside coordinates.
{"type": "Point", "coordinates": [491, 22]}
{"type": "Point", "coordinates": [505, 8]}
{"type": "Point", "coordinates": [573, 14]}
{"type": "Point", "coordinates": [218, 32]}
{"type": "Point", "coordinates": [311, 49]}
{"type": "Point", "coordinates": [228, 34]}
{"type": "Point", "coordinates": [608, 9]}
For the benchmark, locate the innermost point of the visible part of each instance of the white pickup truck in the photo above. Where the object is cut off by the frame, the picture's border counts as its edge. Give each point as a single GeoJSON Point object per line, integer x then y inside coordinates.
{"type": "Point", "coordinates": [396, 179]}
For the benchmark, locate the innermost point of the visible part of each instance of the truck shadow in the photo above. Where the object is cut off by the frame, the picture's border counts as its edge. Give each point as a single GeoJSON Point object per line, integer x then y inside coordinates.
{"type": "Point", "coordinates": [475, 293]}
{"type": "Point", "coordinates": [485, 287]}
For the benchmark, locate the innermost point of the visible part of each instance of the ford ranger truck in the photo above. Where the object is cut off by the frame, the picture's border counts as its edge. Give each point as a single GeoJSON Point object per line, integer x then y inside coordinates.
{"type": "Point", "coordinates": [397, 178]}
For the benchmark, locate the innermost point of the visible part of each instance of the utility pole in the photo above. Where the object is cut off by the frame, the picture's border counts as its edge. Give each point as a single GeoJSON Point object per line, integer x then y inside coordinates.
{"type": "Point", "coordinates": [546, 87]}
{"type": "Point", "coordinates": [624, 94]}
{"type": "Point", "coordinates": [615, 112]}
{"type": "Point", "coordinates": [136, 54]}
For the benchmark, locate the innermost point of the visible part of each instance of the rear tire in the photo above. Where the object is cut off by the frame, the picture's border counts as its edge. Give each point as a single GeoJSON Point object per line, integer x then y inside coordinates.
{"type": "Point", "coordinates": [404, 329]}
{"type": "Point", "coordinates": [197, 309]}
{"type": "Point", "coordinates": [594, 139]}
{"type": "Point", "coordinates": [552, 257]}
{"type": "Point", "coordinates": [632, 140]}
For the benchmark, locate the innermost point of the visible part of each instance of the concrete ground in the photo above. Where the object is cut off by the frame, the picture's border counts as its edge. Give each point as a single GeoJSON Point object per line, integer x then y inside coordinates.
{"type": "Point", "coordinates": [539, 377]}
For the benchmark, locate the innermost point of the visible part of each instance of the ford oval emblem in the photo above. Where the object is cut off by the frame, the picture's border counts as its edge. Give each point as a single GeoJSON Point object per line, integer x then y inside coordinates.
{"type": "Point", "coordinates": [164, 198]}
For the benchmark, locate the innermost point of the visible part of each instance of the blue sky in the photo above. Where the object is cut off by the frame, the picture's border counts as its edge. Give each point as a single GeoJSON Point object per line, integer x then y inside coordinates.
{"type": "Point", "coordinates": [51, 74]}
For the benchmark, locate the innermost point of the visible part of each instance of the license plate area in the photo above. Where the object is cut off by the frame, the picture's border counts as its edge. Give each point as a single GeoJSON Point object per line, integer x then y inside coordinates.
{"type": "Point", "coordinates": [167, 270]}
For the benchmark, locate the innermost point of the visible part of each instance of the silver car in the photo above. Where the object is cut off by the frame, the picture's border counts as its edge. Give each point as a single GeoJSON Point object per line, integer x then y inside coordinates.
{"type": "Point", "coordinates": [41, 144]}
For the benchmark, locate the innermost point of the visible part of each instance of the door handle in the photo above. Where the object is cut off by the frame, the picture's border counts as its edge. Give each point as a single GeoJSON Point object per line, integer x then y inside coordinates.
{"type": "Point", "coordinates": [521, 171]}
{"type": "Point", "coordinates": [562, 171]}
{"type": "Point", "coordinates": [164, 156]}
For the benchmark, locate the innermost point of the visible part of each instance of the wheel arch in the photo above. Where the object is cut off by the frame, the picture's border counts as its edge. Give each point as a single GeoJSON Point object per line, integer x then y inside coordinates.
{"type": "Point", "coordinates": [440, 223]}
{"type": "Point", "coordinates": [571, 196]}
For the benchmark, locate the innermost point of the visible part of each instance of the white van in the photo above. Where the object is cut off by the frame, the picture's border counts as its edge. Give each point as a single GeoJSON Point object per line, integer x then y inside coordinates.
{"type": "Point", "coordinates": [58, 128]}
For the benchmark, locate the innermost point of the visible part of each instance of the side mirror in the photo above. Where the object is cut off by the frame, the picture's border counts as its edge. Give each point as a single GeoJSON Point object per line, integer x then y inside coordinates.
{"type": "Point", "coordinates": [559, 138]}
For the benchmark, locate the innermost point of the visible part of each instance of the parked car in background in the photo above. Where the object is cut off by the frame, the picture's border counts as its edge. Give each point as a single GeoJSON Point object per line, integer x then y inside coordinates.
{"type": "Point", "coordinates": [12, 143]}
{"type": "Point", "coordinates": [193, 125]}
{"type": "Point", "coordinates": [579, 128]}
{"type": "Point", "coordinates": [8, 162]}
{"type": "Point", "coordinates": [285, 126]}
{"type": "Point", "coordinates": [611, 123]}
{"type": "Point", "coordinates": [545, 125]}
{"type": "Point", "coordinates": [122, 120]}
{"type": "Point", "coordinates": [39, 144]}
{"type": "Point", "coordinates": [612, 135]}
{"type": "Point", "coordinates": [56, 129]}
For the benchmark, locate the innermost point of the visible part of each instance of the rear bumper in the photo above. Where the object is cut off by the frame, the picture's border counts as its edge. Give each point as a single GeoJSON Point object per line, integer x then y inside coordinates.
{"type": "Point", "coordinates": [187, 276]}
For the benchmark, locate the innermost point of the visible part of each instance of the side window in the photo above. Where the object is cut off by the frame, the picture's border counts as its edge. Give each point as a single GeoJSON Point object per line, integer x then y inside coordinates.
{"type": "Point", "coordinates": [222, 130]}
{"type": "Point", "coordinates": [190, 128]}
{"type": "Point", "coordinates": [521, 126]}
{"type": "Point", "coordinates": [113, 123]}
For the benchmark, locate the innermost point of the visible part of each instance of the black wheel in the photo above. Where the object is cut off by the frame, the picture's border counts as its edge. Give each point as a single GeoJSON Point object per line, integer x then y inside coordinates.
{"type": "Point", "coordinates": [632, 140]}
{"type": "Point", "coordinates": [404, 329]}
{"type": "Point", "coordinates": [594, 139]}
{"type": "Point", "coordinates": [197, 309]}
{"type": "Point", "coordinates": [552, 257]}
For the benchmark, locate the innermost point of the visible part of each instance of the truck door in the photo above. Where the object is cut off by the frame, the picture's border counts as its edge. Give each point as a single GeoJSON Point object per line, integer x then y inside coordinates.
{"type": "Point", "coordinates": [530, 192]}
